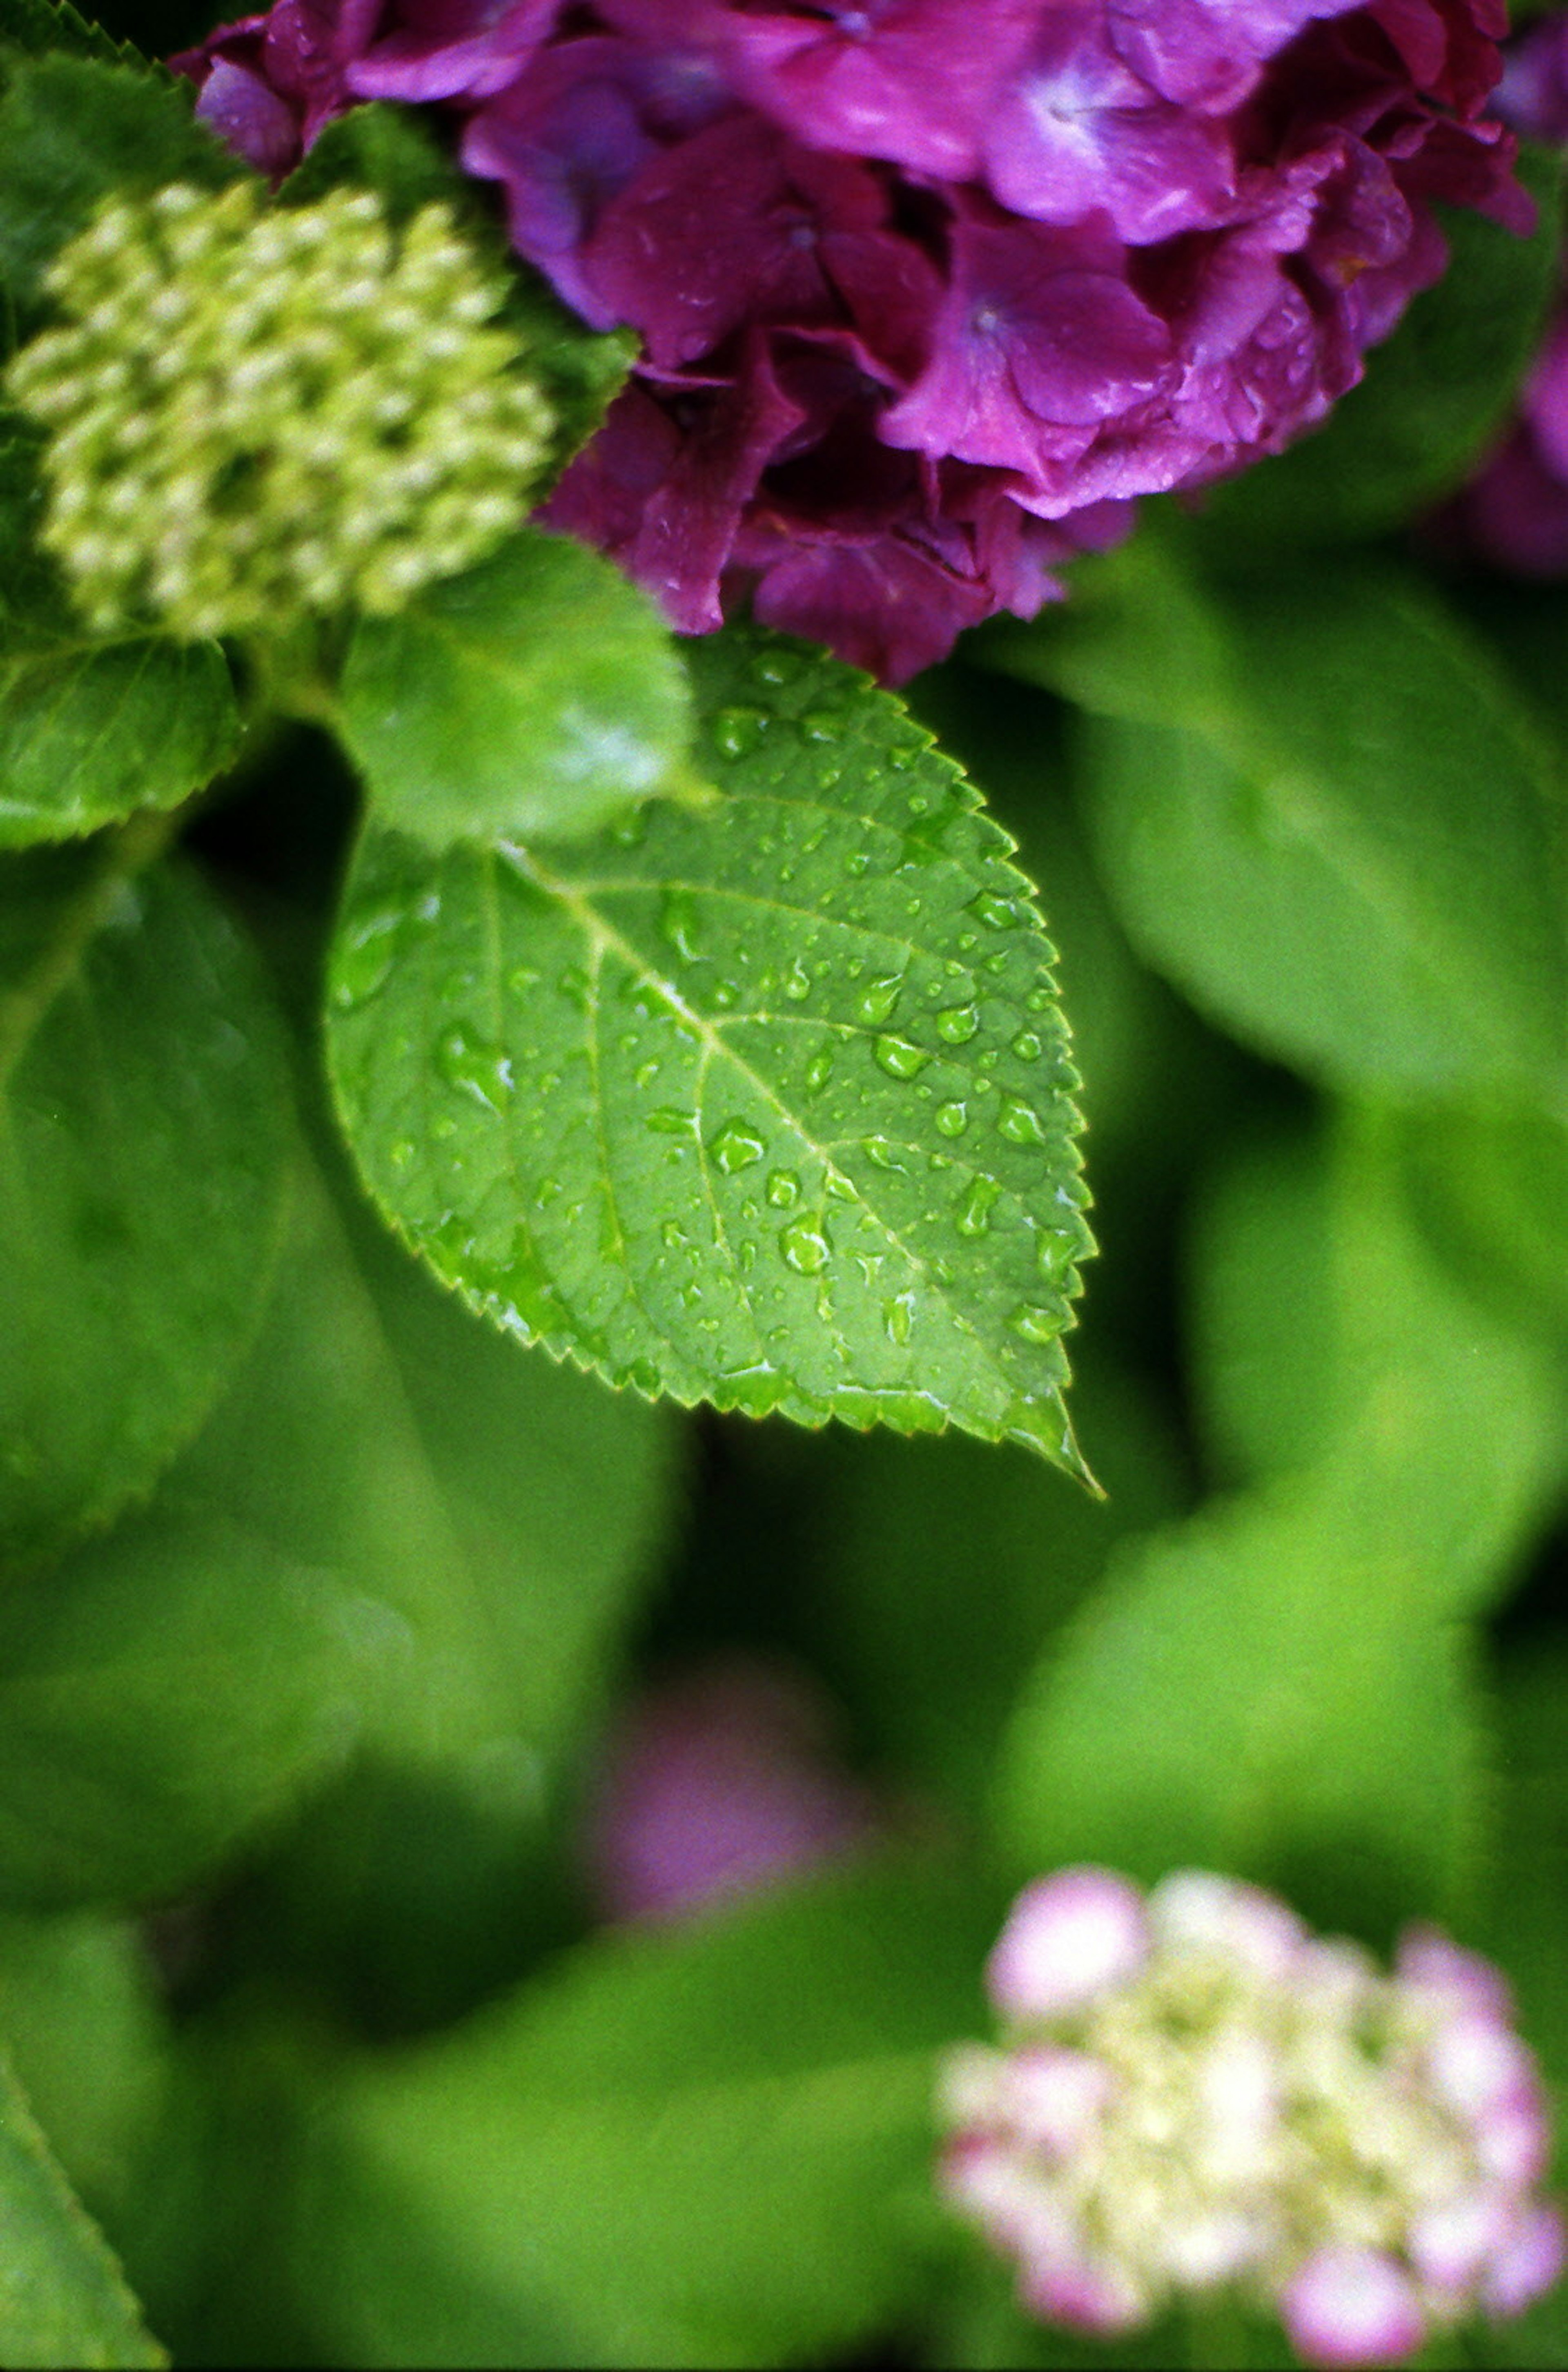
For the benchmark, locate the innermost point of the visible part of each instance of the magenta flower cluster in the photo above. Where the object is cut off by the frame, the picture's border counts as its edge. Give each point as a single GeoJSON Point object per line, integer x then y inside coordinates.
{"type": "Point", "coordinates": [1195, 2096]}
{"type": "Point", "coordinates": [928, 290]}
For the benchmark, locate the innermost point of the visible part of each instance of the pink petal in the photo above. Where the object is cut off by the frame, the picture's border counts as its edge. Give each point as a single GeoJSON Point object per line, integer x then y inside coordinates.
{"type": "Point", "coordinates": [1351, 2305]}
{"type": "Point", "coordinates": [1071, 1938]}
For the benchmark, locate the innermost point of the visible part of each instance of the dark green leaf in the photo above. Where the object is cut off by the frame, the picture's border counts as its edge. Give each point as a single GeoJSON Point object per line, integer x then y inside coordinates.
{"type": "Point", "coordinates": [142, 1176]}
{"type": "Point", "coordinates": [1431, 399]}
{"type": "Point", "coordinates": [74, 131]}
{"type": "Point", "coordinates": [537, 697]}
{"type": "Point", "coordinates": [768, 1104]}
{"type": "Point", "coordinates": [37, 26]}
{"type": "Point", "coordinates": [62, 2298]}
{"type": "Point", "coordinates": [390, 150]}
{"type": "Point", "coordinates": [704, 2148]}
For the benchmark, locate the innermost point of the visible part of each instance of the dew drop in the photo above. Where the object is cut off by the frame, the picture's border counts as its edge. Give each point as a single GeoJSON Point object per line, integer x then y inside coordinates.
{"type": "Point", "coordinates": [882, 1154]}
{"type": "Point", "coordinates": [736, 1147]}
{"type": "Point", "coordinates": [677, 921]}
{"type": "Point", "coordinates": [631, 830]}
{"type": "Point", "coordinates": [726, 992]}
{"type": "Point", "coordinates": [482, 1071]}
{"type": "Point", "coordinates": [747, 1256]}
{"type": "Point", "coordinates": [784, 1189]}
{"type": "Point", "coordinates": [824, 725]}
{"type": "Point", "coordinates": [520, 979]}
{"type": "Point", "coordinates": [736, 731]}
{"type": "Point", "coordinates": [778, 667]}
{"type": "Point", "coordinates": [671, 1120]}
{"type": "Point", "coordinates": [878, 1000]}
{"type": "Point", "coordinates": [804, 1246]}
{"type": "Point", "coordinates": [857, 863]}
{"type": "Point", "coordinates": [400, 1151]}
{"type": "Point", "coordinates": [974, 1211]}
{"type": "Point", "coordinates": [1056, 1254]}
{"type": "Point", "coordinates": [952, 1119]}
{"type": "Point", "coordinates": [900, 1058]}
{"type": "Point", "coordinates": [1019, 1122]}
{"type": "Point", "coordinates": [898, 1317]}
{"type": "Point", "coordinates": [1032, 1324]}
{"type": "Point", "coordinates": [839, 1189]}
{"type": "Point", "coordinates": [1039, 1000]}
{"type": "Point", "coordinates": [959, 1024]}
{"type": "Point", "coordinates": [820, 1069]}
{"type": "Point", "coordinates": [576, 987]}
{"type": "Point", "coordinates": [996, 914]}
{"type": "Point", "coordinates": [647, 1073]}
{"type": "Point", "coordinates": [797, 981]}
{"type": "Point", "coordinates": [1026, 1047]}
{"type": "Point", "coordinates": [365, 958]}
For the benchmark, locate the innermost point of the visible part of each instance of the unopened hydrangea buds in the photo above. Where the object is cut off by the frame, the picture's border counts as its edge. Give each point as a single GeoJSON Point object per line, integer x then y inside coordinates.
{"type": "Point", "coordinates": [1194, 2096]}
{"type": "Point", "coordinates": [256, 413]}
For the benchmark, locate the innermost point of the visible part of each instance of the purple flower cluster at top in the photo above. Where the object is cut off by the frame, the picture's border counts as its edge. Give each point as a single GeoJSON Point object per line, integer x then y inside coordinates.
{"type": "Point", "coordinates": [1515, 512]}
{"type": "Point", "coordinates": [928, 290]}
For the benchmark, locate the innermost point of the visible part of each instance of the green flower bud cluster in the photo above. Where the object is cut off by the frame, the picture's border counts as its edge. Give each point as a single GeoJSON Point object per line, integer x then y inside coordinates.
{"type": "Point", "coordinates": [257, 412]}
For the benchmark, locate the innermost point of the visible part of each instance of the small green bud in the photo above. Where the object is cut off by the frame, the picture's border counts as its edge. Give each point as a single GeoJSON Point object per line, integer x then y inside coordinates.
{"type": "Point", "coordinates": [256, 413]}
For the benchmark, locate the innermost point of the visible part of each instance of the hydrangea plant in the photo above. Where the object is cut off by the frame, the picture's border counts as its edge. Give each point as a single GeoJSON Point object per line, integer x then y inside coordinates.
{"type": "Point", "coordinates": [669, 673]}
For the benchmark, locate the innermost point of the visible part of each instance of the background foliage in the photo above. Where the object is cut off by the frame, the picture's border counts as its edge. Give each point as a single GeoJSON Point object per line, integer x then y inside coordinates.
{"type": "Point", "coordinates": [320, 1592]}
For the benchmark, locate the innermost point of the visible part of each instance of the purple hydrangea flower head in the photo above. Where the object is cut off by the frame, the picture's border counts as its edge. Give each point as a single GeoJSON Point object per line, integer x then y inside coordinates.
{"type": "Point", "coordinates": [719, 1780]}
{"type": "Point", "coordinates": [929, 291]}
{"type": "Point", "coordinates": [1193, 2095]}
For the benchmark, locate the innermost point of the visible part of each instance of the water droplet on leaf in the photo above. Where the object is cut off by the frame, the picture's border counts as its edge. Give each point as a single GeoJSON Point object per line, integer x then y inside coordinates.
{"type": "Point", "coordinates": [1019, 1122]}
{"type": "Point", "coordinates": [804, 1246]}
{"type": "Point", "coordinates": [952, 1119]}
{"type": "Point", "coordinates": [974, 1211]}
{"type": "Point", "coordinates": [784, 1189]}
{"type": "Point", "coordinates": [959, 1024]}
{"type": "Point", "coordinates": [876, 1001]}
{"type": "Point", "coordinates": [900, 1058]}
{"type": "Point", "coordinates": [736, 1146]}
{"type": "Point", "coordinates": [482, 1071]}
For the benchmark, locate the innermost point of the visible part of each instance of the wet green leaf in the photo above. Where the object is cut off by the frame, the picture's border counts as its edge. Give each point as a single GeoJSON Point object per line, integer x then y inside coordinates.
{"type": "Point", "coordinates": [536, 696]}
{"type": "Point", "coordinates": [62, 2296]}
{"type": "Point", "coordinates": [768, 1104]}
{"type": "Point", "coordinates": [142, 1175]}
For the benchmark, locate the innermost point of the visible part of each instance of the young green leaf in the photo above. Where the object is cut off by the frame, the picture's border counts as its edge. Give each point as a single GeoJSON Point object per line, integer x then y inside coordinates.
{"type": "Point", "coordinates": [82, 2021]}
{"type": "Point", "coordinates": [536, 697]}
{"type": "Point", "coordinates": [74, 131]}
{"type": "Point", "coordinates": [91, 729]}
{"type": "Point", "coordinates": [63, 2299]}
{"type": "Point", "coordinates": [142, 1175]}
{"type": "Point", "coordinates": [768, 1104]}
{"type": "Point", "coordinates": [710, 2146]}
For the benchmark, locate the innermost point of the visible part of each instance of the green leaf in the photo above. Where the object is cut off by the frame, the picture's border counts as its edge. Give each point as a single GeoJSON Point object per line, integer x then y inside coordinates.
{"type": "Point", "coordinates": [536, 696]}
{"type": "Point", "coordinates": [1286, 806]}
{"type": "Point", "coordinates": [1432, 398]}
{"type": "Point", "coordinates": [74, 131]}
{"type": "Point", "coordinates": [92, 728]}
{"type": "Point", "coordinates": [390, 150]}
{"type": "Point", "coordinates": [1264, 1690]}
{"type": "Point", "coordinates": [769, 1105]}
{"type": "Point", "coordinates": [707, 2146]}
{"type": "Point", "coordinates": [1326, 1325]}
{"type": "Point", "coordinates": [168, 1692]}
{"type": "Point", "coordinates": [38, 27]}
{"type": "Point", "coordinates": [142, 1175]}
{"type": "Point", "coordinates": [80, 2017]}
{"type": "Point", "coordinates": [62, 2298]}
{"type": "Point", "coordinates": [1491, 1189]}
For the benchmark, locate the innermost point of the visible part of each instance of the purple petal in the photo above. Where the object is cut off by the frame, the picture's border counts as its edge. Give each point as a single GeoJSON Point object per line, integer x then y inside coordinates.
{"type": "Point", "coordinates": [1529, 2262]}
{"type": "Point", "coordinates": [1352, 2307]}
{"type": "Point", "coordinates": [1070, 1938]}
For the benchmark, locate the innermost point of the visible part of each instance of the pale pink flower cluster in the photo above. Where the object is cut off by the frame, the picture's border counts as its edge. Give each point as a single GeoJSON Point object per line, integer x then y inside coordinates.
{"type": "Point", "coordinates": [1195, 2096]}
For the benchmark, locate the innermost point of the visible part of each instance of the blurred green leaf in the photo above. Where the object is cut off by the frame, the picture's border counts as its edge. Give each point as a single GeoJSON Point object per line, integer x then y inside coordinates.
{"type": "Point", "coordinates": [536, 696]}
{"type": "Point", "coordinates": [1323, 1321]}
{"type": "Point", "coordinates": [36, 26]}
{"type": "Point", "coordinates": [769, 1105]}
{"type": "Point", "coordinates": [62, 2298]}
{"type": "Point", "coordinates": [142, 1175]}
{"type": "Point", "coordinates": [74, 131]}
{"type": "Point", "coordinates": [1271, 1690]}
{"type": "Point", "coordinates": [1285, 788]}
{"type": "Point", "coordinates": [705, 2147]}
{"type": "Point", "coordinates": [1433, 395]}
{"type": "Point", "coordinates": [84, 2031]}
{"type": "Point", "coordinates": [1491, 1192]}
{"type": "Point", "coordinates": [92, 728]}
{"type": "Point", "coordinates": [168, 1692]}
{"type": "Point", "coordinates": [946, 1564]}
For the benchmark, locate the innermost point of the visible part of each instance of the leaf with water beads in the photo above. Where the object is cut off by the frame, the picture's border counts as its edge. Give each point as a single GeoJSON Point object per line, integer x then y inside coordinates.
{"type": "Point", "coordinates": [688, 1103]}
